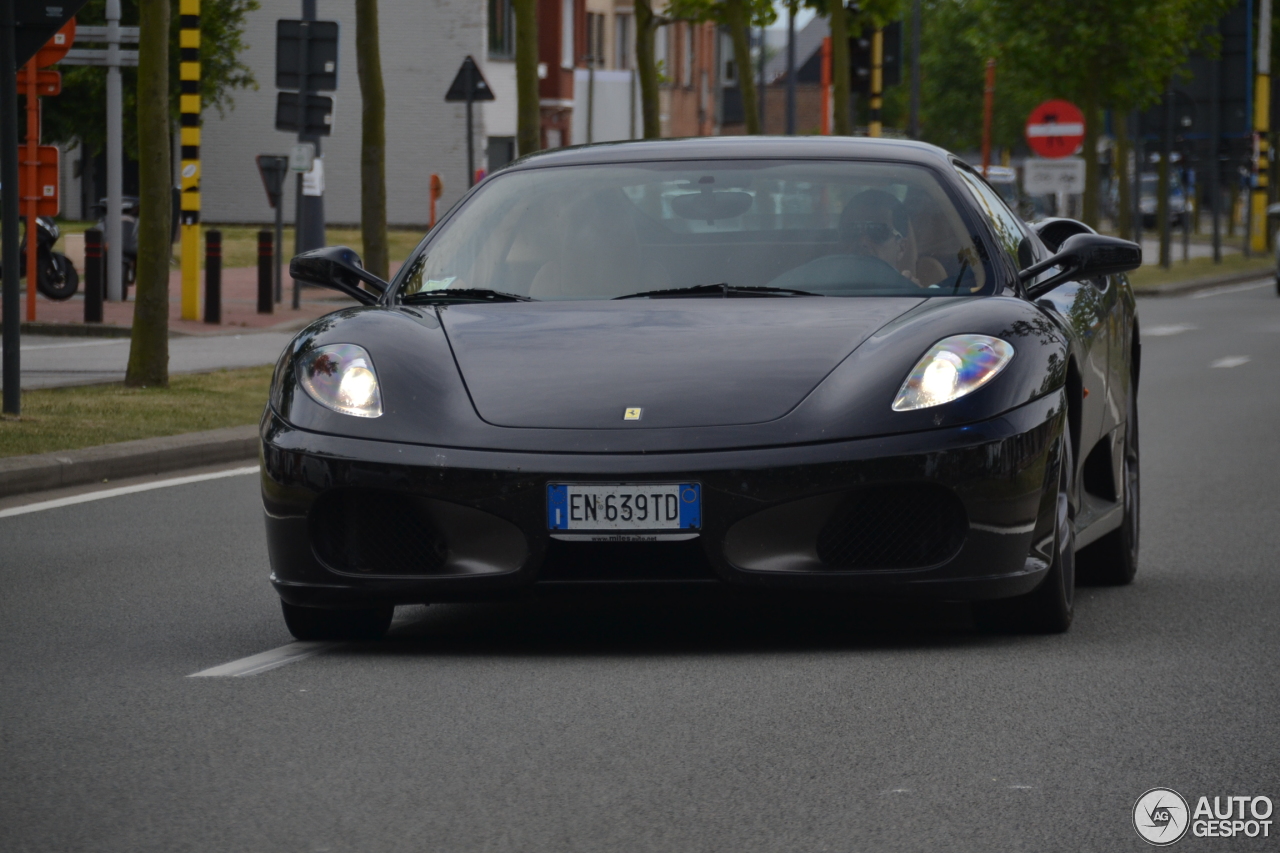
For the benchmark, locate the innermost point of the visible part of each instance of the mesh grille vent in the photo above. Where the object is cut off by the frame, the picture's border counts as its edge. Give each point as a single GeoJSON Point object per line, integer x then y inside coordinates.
{"type": "Point", "coordinates": [367, 531]}
{"type": "Point", "coordinates": [893, 527]}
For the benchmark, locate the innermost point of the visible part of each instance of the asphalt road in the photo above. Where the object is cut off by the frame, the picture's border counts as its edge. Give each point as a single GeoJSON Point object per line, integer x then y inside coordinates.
{"type": "Point", "coordinates": [592, 725]}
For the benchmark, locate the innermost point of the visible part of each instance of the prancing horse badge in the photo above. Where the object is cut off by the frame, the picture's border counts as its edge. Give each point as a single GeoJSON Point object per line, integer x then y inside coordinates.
{"type": "Point", "coordinates": [632, 414]}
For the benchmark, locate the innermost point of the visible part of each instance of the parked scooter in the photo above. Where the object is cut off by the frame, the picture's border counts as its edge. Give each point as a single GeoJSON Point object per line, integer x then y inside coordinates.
{"type": "Point", "coordinates": [129, 207]}
{"type": "Point", "coordinates": [56, 276]}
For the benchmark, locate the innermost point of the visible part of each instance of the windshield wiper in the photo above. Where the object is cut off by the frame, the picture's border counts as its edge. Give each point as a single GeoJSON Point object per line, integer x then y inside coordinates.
{"type": "Point", "coordinates": [465, 294]}
{"type": "Point", "coordinates": [723, 289]}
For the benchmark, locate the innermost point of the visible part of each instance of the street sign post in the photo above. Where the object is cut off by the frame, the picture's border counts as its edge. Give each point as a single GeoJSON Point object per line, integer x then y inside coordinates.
{"type": "Point", "coordinates": [273, 168]}
{"type": "Point", "coordinates": [1055, 129]}
{"type": "Point", "coordinates": [307, 63]}
{"type": "Point", "coordinates": [469, 85]}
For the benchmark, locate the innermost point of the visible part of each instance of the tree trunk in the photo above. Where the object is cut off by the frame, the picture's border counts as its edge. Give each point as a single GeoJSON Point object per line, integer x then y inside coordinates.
{"type": "Point", "coordinates": [646, 24]}
{"type": "Point", "coordinates": [149, 348]}
{"type": "Point", "coordinates": [373, 140]}
{"type": "Point", "coordinates": [1124, 216]}
{"type": "Point", "coordinates": [735, 15]}
{"type": "Point", "coordinates": [528, 111]}
{"type": "Point", "coordinates": [1092, 176]}
{"type": "Point", "coordinates": [842, 122]}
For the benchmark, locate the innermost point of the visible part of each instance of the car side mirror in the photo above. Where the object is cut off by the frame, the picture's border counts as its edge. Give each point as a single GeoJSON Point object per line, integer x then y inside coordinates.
{"type": "Point", "coordinates": [1083, 256]}
{"type": "Point", "coordinates": [338, 268]}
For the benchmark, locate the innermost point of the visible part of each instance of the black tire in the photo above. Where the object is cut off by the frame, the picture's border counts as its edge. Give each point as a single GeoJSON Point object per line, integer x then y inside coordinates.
{"type": "Point", "coordinates": [58, 278]}
{"type": "Point", "coordinates": [1113, 559]}
{"type": "Point", "coordinates": [314, 623]}
{"type": "Point", "coordinates": [1049, 608]}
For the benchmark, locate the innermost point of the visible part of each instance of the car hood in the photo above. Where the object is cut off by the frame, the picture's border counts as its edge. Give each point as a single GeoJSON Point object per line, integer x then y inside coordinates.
{"type": "Point", "coordinates": [682, 362]}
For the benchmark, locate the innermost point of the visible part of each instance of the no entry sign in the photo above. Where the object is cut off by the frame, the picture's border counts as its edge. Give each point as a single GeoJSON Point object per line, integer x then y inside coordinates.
{"type": "Point", "coordinates": [1055, 129]}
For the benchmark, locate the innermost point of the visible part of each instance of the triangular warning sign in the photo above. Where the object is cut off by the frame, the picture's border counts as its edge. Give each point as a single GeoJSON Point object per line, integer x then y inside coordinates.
{"type": "Point", "coordinates": [469, 76]}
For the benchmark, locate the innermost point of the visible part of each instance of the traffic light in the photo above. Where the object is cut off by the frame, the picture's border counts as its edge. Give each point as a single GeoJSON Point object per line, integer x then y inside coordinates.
{"type": "Point", "coordinates": [860, 58]}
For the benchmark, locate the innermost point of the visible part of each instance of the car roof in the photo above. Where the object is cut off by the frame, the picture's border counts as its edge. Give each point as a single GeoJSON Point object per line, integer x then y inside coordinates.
{"type": "Point", "coordinates": [738, 148]}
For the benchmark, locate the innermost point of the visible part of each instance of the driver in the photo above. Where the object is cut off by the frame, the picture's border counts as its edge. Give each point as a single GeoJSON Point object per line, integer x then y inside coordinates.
{"type": "Point", "coordinates": [874, 228]}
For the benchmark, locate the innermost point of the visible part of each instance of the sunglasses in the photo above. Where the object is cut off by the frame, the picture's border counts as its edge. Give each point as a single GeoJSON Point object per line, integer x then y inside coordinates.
{"type": "Point", "coordinates": [877, 232]}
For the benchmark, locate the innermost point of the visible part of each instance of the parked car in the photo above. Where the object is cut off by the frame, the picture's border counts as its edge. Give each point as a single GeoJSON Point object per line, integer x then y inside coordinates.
{"type": "Point", "coordinates": [797, 365]}
{"type": "Point", "coordinates": [1149, 199]}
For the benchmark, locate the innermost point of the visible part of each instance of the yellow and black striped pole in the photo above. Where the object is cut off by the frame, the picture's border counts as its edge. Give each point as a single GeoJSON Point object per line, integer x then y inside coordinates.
{"type": "Point", "coordinates": [874, 126]}
{"type": "Point", "coordinates": [189, 107]}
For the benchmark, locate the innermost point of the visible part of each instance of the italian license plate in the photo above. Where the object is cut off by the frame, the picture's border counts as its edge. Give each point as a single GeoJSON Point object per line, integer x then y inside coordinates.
{"type": "Point", "coordinates": [623, 511]}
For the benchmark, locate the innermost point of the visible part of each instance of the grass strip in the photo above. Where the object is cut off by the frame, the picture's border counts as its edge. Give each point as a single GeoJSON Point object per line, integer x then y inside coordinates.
{"type": "Point", "coordinates": [90, 415]}
{"type": "Point", "coordinates": [1152, 275]}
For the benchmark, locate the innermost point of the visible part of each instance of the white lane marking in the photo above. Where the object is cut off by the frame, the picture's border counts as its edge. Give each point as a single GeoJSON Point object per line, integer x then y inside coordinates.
{"type": "Point", "coordinates": [1231, 361]}
{"type": "Point", "coordinates": [124, 490]}
{"type": "Point", "coordinates": [288, 653]}
{"type": "Point", "coordinates": [1166, 331]}
{"type": "Point", "coordinates": [265, 661]}
{"type": "Point", "coordinates": [1020, 787]}
{"type": "Point", "coordinates": [26, 348]}
{"type": "Point", "coordinates": [1232, 288]}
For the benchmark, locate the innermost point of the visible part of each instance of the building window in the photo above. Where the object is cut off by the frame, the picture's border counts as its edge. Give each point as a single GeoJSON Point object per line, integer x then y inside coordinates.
{"type": "Point", "coordinates": [502, 29]}
{"type": "Point", "coordinates": [623, 44]}
{"type": "Point", "coordinates": [686, 70]}
{"type": "Point", "coordinates": [566, 33]}
{"type": "Point", "coordinates": [595, 39]}
{"type": "Point", "coordinates": [662, 53]}
{"type": "Point", "coordinates": [729, 69]}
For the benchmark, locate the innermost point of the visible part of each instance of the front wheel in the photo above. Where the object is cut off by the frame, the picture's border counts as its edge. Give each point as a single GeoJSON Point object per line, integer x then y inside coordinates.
{"type": "Point", "coordinates": [58, 277]}
{"type": "Point", "coordinates": [314, 623]}
{"type": "Point", "coordinates": [1047, 609]}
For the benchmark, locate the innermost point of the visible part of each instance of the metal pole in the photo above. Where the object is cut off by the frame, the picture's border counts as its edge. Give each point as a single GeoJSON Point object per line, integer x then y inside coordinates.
{"type": "Point", "coordinates": [874, 126]}
{"type": "Point", "coordinates": [115, 157]}
{"type": "Point", "coordinates": [471, 143]}
{"type": "Point", "coordinates": [1215, 131]}
{"type": "Point", "coordinates": [309, 209]}
{"type": "Point", "coordinates": [213, 277]}
{"type": "Point", "coordinates": [914, 122]}
{"type": "Point", "coordinates": [1261, 129]}
{"type": "Point", "coordinates": [763, 42]}
{"type": "Point", "coordinates": [1162, 187]}
{"type": "Point", "coordinates": [988, 110]}
{"type": "Point", "coordinates": [1139, 158]}
{"type": "Point", "coordinates": [278, 247]}
{"type": "Point", "coordinates": [791, 69]}
{"type": "Point", "coordinates": [189, 212]}
{"type": "Point", "coordinates": [9, 263]}
{"type": "Point", "coordinates": [33, 180]}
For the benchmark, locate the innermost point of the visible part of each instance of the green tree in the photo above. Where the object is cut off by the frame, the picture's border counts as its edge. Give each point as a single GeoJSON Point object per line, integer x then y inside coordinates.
{"type": "Point", "coordinates": [528, 111]}
{"type": "Point", "coordinates": [149, 348]}
{"type": "Point", "coordinates": [647, 23]}
{"type": "Point", "coordinates": [78, 112]}
{"type": "Point", "coordinates": [1097, 53]}
{"type": "Point", "coordinates": [373, 140]}
{"type": "Point", "coordinates": [737, 16]}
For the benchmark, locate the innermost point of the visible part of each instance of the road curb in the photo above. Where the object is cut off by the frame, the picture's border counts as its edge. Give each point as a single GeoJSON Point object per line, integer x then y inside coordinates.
{"type": "Point", "coordinates": [1181, 288]}
{"type": "Point", "coordinates": [23, 474]}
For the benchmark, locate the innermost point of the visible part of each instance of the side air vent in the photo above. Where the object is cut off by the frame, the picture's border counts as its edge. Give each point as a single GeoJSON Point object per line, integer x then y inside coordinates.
{"type": "Point", "coordinates": [370, 531]}
{"type": "Point", "coordinates": [905, 526]}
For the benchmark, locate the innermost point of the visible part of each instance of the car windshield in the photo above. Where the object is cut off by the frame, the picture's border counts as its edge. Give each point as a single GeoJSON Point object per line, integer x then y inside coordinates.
{"type": "Point", "coordinates": [715, 229]}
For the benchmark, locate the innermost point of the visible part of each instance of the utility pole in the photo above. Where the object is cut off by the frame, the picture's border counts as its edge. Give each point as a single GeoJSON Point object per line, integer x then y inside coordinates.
{"type": "Point", "coordinates": [189, 110]}
{"type": "Point", "coordinates": [115, 157]}
{"type": "Point", "coordinates": [914, 121]}
{"type": "Point", "coordinates": [791, 68]}
{"type": "Point", "coordinates": [1215, 131]}
{"type": "Point", "coordinates": [1261, 129]}
{"type": "Point", "coordinates": [1166, 181]}
{"type": "Point", "coordinates": [875, 127]}
{"type": "Point", "coordinates": [12, 366]}
{"type": "Point", "coordinates": [309, 202]}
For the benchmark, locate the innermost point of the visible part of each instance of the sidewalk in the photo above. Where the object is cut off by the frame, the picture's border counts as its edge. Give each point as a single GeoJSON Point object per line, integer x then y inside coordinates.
{"type": "Point", "coordinates": [239, 307]}
{"type": "Point", "coordinates": [54, 355]}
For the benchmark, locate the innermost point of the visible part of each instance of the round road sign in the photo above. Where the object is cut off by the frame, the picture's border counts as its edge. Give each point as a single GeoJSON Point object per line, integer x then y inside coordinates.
{"type": "Point", "coordinates": [1055, 129]}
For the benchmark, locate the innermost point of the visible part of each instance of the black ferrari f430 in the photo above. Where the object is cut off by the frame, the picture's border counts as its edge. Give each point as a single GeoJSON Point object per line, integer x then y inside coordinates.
{"type": "Point", "coordinates": [840, 366]}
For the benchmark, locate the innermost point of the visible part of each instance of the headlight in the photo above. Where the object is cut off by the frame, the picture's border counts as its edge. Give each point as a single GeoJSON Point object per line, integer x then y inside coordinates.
{"type": "Point", "coordinates": [951, 368]}
{"type": "Point", "coordinates": [341, 377]}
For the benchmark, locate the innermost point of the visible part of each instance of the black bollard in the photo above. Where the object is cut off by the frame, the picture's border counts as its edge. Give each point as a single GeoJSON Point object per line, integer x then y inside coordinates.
{"type": "Point", "coordinates": [93, 276]}
{"type": "Point", "coordinates": [213, 276]}
{"type": "Point", "coordinates": [266, 253]}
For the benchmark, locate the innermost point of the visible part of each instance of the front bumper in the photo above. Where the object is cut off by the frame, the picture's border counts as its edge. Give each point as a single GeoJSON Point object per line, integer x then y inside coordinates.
{"type": "Point", "coordinates": [766, 515]}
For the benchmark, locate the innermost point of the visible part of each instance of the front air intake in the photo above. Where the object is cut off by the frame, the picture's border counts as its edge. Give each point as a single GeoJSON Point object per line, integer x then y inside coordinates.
{"type": "Point", "coordinates": [906, 526]}
{"type": "Point", "coordinates": [370, 531]}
